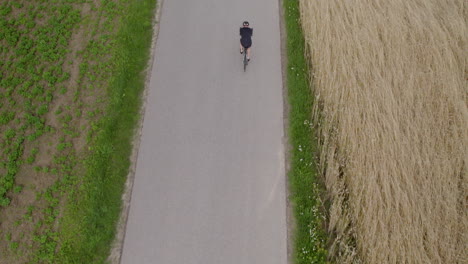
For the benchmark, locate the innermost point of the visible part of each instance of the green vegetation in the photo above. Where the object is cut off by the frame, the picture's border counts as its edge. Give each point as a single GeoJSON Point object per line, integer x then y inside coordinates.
{"type": "Point", "coordinates": [71, 79]}
{"type": "Point", "coordinates": [96, 207]}
{"type": "Point", "coordinates": [30, 67]}
{"type": "Point", "coordinates": [309, 236]}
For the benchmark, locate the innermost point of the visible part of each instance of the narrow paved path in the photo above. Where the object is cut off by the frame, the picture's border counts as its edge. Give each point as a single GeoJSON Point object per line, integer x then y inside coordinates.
{"type": "Point", "coordinates": [210, 180]}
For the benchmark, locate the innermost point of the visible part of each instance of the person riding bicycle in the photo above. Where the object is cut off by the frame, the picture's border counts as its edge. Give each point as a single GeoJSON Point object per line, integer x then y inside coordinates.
{"type": "Point", "coordinates": [246, 38]}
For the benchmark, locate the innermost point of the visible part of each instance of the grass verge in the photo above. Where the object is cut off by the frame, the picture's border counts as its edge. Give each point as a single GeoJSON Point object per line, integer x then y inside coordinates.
{"type": "Point", "coordinates": [89, 222]}
{"type": "Point", "coordinates": [309, 234]}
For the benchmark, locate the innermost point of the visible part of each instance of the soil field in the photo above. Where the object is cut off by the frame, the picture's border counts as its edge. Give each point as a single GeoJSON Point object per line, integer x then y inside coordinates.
{"type": "Point", "coordinates": [389, 80]}
{"type": "Point", "coordinates": [62, 66]}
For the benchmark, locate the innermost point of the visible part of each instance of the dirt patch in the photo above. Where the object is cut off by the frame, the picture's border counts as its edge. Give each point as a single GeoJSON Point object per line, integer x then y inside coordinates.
{"type": "Point", "coordinates": [18, 221]}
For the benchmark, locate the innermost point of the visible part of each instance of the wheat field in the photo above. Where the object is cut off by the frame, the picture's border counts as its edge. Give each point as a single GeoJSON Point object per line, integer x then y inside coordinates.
{"type": "Point", "coordinates": [390, 83]}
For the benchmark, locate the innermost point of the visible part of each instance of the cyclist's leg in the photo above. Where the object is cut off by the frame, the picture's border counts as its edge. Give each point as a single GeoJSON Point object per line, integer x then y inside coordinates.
{"type": "Point", "coordinates": [241, 48]}
{"type": "Point", "coordinates": [248, 52]}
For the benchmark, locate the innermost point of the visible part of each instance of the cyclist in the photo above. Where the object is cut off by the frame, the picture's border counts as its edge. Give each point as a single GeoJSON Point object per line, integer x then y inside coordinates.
{"type": "Point", "coordinates": [246, 38]}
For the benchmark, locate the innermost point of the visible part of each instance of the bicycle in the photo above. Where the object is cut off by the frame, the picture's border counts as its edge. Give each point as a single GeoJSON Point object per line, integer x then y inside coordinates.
{"type": "Point", "coordinates": [246, 61]}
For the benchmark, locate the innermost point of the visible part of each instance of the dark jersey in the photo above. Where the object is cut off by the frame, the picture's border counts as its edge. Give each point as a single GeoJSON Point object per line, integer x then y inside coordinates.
{"type": "Point", "coordinates": [246, 36]}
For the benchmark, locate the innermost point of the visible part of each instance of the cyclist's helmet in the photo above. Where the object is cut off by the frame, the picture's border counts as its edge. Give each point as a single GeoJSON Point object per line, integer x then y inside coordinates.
{"type": "Point", "coordinates": [246, 23]}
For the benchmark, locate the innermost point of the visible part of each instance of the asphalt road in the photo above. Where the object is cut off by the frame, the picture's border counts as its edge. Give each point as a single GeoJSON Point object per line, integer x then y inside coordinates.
{"type": "Point", "coordinates": [210, 180]}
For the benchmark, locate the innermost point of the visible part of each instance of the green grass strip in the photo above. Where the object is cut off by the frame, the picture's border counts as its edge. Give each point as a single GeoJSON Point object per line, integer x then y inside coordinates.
{"type": "Point", "coordinates": [89, 223]}
{"type": "Point", "coordinates": [309, 237]}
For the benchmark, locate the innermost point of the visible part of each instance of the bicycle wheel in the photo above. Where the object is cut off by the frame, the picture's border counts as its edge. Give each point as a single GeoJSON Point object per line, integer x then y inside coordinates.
{"type": "Point", "coordinates": [245, 60]}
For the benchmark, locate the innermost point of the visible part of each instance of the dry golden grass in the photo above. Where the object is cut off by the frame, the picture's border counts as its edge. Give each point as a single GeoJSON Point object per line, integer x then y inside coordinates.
{"type": "Point", "coordinates": [391, 82]}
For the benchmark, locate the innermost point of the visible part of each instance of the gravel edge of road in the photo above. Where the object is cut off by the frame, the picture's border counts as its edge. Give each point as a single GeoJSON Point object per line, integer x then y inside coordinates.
{"type": "Point", "coordinates": [290, 221]}
{"type": "Point", "coordinates": [117, 246]}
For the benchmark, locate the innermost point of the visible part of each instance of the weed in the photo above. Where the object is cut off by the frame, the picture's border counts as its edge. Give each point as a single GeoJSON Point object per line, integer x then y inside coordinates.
{"type": "Point", "coordinates": [4, 201]}
{"type": "Point", "coordinates": [18, 189]}
{"type": "Point", "coordinates": [14, 246]}
{"type": "Point", "coordinates": [6, 117]}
